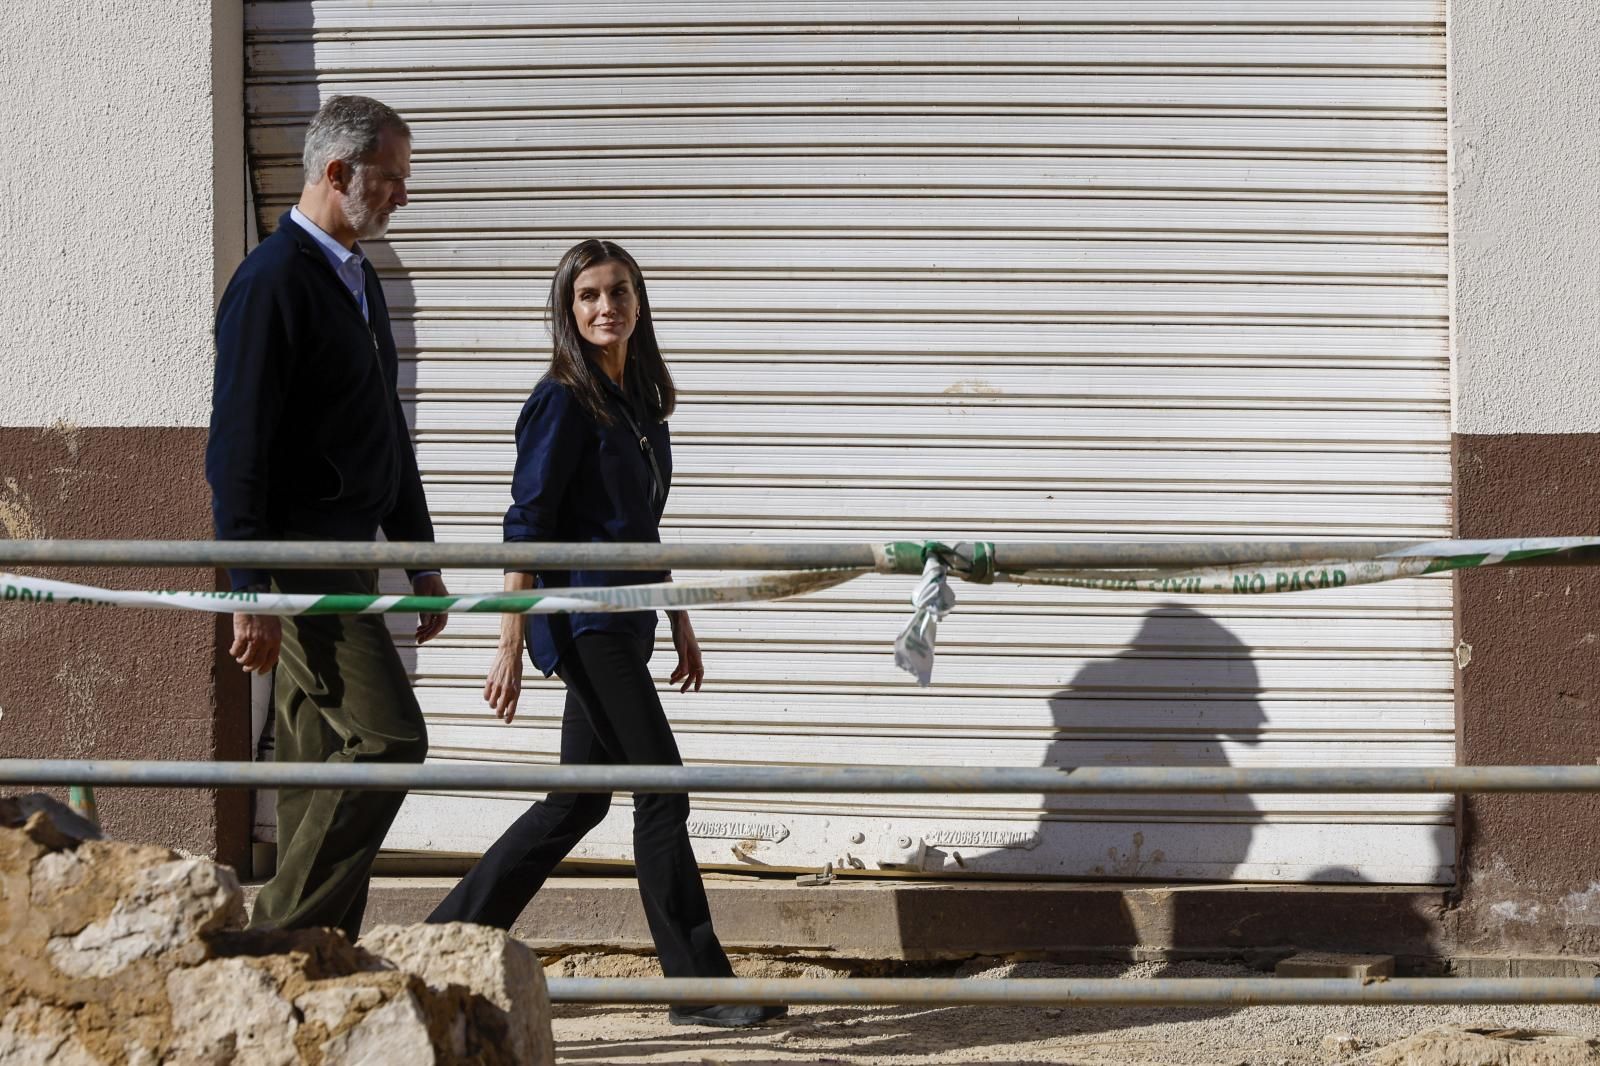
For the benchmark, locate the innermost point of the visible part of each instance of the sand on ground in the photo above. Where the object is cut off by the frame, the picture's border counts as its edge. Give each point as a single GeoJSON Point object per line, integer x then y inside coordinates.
{"type": "Point", "coordinates": [1031, 1036]}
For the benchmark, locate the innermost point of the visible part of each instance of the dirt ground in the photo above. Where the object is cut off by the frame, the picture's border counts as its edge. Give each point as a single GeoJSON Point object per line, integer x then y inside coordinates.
{"type": "Point", "coordinates": [1257, 1036]}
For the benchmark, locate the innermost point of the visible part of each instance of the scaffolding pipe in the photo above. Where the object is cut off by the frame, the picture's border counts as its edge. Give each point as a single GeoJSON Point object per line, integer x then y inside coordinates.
{"type": "Point", "coordinates": [1028, 780]}
{"type": "Point", "coordinates": [1075, 992]}
{"type": "Point", "coordinates": [742, 555]}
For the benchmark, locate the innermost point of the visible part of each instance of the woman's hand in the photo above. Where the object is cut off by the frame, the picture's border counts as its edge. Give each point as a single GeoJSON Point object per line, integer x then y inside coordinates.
{"type": "Point", "coordinates": [691, 670]}
{"type": "Point", "coordinates": [503, 688]}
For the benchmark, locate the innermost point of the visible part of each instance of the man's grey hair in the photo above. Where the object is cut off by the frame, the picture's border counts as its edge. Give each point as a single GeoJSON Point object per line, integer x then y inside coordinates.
{"type": "Point", "coordinates": [347, 128]}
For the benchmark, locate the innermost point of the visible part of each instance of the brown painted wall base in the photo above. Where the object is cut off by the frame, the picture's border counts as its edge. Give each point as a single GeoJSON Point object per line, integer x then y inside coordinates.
{"type": "Point", "coordinates": [1528, 692]}
{"type": "Point", "coordinates": [111, 683]}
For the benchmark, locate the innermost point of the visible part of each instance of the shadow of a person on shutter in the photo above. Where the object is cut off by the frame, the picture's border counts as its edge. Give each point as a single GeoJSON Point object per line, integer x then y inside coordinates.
{"type": "Point", "coordinates": [1188, 684]}
{"type": "Point", "coordinates": [1190, 681]}
{"type": "Point", "coordinates": [1192, 685]}
{"type": "Point", "coordinates": [400, 295]}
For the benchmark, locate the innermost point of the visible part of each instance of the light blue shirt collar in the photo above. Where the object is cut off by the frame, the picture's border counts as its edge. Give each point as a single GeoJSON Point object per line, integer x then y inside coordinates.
{"type": "Point", "coordinates": [346, 262]}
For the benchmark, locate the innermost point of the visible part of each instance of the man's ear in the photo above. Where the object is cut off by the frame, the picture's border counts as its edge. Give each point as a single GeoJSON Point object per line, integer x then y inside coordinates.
{"type": "Point", "coordinates": [338, 175]}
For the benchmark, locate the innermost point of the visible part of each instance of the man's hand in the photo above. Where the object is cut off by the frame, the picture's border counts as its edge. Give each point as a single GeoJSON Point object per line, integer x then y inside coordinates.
{"type": "Point", "coordinates": [256, 640]}
{"type": "Point", "coordinates": [691, 669]}
{"type": "Point", "coordinates": [430, 625]}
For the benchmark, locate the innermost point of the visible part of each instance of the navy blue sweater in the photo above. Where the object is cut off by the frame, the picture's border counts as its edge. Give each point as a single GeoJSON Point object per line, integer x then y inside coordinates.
{"type": "Point", "coordinates": [579, 481]}
{"type": "Point", "coordinates": [307, 433]}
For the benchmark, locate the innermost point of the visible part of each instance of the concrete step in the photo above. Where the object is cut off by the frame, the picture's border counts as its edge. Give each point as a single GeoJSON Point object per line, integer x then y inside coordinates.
{"type": "Point", "coordinates": [923, 920]}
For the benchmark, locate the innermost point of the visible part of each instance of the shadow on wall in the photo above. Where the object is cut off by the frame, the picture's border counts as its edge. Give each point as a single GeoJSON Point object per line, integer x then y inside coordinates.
{"type": "Point", "coordinates": [1191, 684]}
{"type": "Point", "coordinates": [400, 295]}
{"type": "Point", "coordinates": [1188, 683]}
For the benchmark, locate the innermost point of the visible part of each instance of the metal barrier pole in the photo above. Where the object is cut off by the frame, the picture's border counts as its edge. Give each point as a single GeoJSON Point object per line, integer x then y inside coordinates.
{"type": "Point", "coordinates": [503, 777]}
{"type": "Point", "coordinates": [1071, 992]}
{"type": "Point", "coordinates": [740, 555]}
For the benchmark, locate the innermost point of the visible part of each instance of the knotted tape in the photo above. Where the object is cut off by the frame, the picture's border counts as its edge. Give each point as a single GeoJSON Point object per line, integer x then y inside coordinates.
{"type": "Point", "coordinates": [933, 598]}
{"type": "Point", "coordinates": [971, 560]}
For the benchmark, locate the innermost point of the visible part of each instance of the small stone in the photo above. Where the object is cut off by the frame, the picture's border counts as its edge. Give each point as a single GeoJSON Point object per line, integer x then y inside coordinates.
{"type": "Point", "coordinates": [1340, 1044]}
{"type": "Point", "coordinates": [1052, 1012]}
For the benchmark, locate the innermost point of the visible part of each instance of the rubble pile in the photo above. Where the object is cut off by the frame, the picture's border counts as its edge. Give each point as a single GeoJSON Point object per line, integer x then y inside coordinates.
{"type": "Point", "coordinates": [115, 954]}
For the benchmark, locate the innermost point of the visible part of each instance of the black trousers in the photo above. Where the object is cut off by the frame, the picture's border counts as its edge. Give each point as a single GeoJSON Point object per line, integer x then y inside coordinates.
{"type": "Point", "coordinates": [613, 716]}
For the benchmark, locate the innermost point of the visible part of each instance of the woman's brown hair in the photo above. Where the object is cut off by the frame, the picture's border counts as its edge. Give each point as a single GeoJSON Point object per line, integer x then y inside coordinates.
{"type": "Point", "coordinates": [648, 381]}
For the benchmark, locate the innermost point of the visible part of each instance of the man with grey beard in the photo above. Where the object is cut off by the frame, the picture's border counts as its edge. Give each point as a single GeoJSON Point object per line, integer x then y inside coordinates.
{"type": "Point", "coordinates": [308, 441]}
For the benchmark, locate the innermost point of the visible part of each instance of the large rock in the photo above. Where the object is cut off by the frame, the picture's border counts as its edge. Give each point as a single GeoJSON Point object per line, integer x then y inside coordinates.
{"type": "Point", "coordinates": [116, 954]}
{"type": "Point", "coordinates": [496, 966]}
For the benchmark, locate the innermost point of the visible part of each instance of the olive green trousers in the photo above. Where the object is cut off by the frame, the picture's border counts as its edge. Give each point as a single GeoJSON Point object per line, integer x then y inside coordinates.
{"type": "Point", "coordinates": [342, 696]}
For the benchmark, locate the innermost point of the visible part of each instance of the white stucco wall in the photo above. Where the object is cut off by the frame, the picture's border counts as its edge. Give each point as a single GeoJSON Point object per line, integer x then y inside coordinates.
{"type": "Point", "coordinates": [122, 164]}
{"type": "Point", "coordinates": [1525, 207]}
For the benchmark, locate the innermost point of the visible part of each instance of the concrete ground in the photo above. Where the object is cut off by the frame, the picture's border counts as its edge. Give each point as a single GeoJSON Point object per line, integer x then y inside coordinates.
{"type": "Point", "coordinates": [1257, 1036]}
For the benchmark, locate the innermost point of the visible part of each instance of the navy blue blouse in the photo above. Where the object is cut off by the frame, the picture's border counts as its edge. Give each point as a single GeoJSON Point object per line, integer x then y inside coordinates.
{"type": "Point", "coordinates": [579, 481]}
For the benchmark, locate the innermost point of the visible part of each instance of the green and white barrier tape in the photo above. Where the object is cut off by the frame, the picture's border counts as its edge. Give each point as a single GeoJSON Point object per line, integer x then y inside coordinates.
{"type": "Point", "coordinates": [1254, 579]}
{"type": "Point", "coordinates": [933, 599]}
{"type": "Point", "coordinates": [672, 595]}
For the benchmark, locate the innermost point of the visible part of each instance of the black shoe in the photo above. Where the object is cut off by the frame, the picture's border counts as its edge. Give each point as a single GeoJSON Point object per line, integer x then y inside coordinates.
{"type": "Point", "coordinates": [727, 1016]}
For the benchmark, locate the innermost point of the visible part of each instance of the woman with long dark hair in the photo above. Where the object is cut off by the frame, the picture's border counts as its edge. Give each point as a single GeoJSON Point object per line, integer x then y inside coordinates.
{"type": "Point", "coordinates": [594, 463]}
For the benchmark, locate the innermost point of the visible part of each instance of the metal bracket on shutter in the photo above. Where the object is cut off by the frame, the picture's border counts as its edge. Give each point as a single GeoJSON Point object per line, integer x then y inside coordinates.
{"type": "Point", "coordinates": [899, 850]}
{"type": "Point", "coordinates": [818, 879]}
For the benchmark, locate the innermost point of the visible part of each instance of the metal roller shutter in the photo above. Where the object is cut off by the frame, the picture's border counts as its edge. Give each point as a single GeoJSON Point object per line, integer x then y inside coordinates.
{"type": "Point", "coordinates": [1075, 269]}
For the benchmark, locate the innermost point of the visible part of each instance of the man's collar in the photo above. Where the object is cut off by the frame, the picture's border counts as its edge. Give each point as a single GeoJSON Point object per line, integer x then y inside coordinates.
{"type": "Point", "coordinates": [335, 251]}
